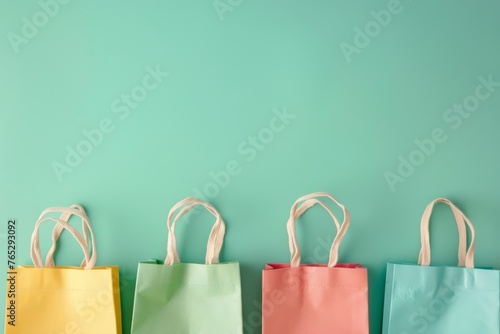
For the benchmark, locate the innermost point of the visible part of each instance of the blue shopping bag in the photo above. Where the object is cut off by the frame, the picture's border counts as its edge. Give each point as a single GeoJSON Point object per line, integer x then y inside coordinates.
{"type": "Point", "coordinates": [420, 298]}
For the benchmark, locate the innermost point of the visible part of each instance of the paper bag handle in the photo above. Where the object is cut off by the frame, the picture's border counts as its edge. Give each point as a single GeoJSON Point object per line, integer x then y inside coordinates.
{"type": "Point", "coordinates": [56, 233]}
{"type": "Point", "coordinates": [215, 239]}
{"type": "Point", "coordinates": [89, 259]}
{"type": "Point", "coordinates": [465, 257]}
{"type": "Point", "coordinates": [296, 211]}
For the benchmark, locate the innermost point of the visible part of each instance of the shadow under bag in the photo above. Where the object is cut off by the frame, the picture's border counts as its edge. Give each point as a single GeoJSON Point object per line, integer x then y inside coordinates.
{"type": "Point", "coordinates": [315, 298]}
{"type": "Point", "coordinates": [187, 298]}
{"type": "Point", "coordinates": [420, 298]}
{"type": "Point", "coordinates": [63, 299]}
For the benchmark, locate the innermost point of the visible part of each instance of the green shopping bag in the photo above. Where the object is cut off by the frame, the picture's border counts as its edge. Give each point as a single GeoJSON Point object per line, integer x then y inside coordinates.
{"type": "Point", "coordinates": [441, 299]}
{"type": "Point", "coordinates": [187, 298]}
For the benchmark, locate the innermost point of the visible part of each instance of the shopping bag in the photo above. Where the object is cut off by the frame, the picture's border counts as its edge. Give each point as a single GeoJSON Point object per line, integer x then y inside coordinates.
{"type": "Point", "coordinates": [187, 298]}
{"type": "Point", "coordinates": [315, 298]}
{"type": "Point", "coordinates": [420, 298]}
{"type": "Point", "coordinates": [49, 299]}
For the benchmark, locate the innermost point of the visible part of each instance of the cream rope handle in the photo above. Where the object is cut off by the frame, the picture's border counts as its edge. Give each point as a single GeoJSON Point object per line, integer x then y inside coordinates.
{"type": "Point", "coordinates": [309, 201]}
{"type": "Point", "coordinates": [89, 259]}
{"type": "Point", "coordinates": [56, 233]}
{"type": "Point", "coordinates": [215, 239]}
{"type": "Point", "coordinates": [465, 257]}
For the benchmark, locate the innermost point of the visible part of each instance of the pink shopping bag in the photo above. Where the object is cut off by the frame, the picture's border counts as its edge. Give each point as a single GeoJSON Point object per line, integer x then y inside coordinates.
{"type": "Point", "coordinates": [315, 298]}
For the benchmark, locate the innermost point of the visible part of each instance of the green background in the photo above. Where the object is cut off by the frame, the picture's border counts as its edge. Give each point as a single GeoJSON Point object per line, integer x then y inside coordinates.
{"type": "Point", "coordinates": [227, 73]}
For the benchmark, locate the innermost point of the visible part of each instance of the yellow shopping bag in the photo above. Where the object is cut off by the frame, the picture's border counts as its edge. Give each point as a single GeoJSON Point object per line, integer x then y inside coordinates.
{"type": "Point", "coordinates": [45, 299]}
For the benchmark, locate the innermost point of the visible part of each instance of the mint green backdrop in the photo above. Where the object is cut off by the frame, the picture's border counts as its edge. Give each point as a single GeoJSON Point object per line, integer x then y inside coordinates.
{"type": "Point", "coordinates": [362, 89]}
